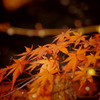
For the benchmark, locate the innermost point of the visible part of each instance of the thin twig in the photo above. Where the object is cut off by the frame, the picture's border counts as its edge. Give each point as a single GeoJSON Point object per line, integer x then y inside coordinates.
{"type": "Point", "coordinates": [19, 87]}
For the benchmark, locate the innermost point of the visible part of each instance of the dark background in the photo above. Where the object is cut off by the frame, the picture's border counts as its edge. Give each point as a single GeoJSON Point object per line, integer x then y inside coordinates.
{"type": "Point", "coordinates": [52, 14]}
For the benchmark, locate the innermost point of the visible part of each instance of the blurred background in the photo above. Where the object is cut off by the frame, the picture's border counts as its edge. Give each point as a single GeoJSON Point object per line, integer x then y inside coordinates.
{"type": "Point", "coordinates": [19, 16]}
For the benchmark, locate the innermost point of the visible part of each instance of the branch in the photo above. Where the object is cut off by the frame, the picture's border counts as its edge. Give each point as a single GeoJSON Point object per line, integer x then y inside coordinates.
{"type": "Point", "coordinates": [5, 27]}
{"type": "Point", "coordinates": [19, 87]}
{"type": "Point", "coordinates": [22, 86]}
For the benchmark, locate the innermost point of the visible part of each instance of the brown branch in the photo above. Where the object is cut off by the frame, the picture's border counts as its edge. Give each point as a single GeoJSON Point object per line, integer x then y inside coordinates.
{"type": "Point", "coordinates": [5, 27]}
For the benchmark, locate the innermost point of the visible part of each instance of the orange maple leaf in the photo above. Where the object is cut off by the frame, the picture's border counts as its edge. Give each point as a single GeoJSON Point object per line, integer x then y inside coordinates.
{"type": "Point", "coordinates": [97, 36]}
{"type": "Point", "coordinates": [87, 88]}
{"type": "Point", "coordinates": [77, 37]}
{"type": "Point", "coordinates": [2, 73]}
{"type": "Point", "coordinates": [52, 49]}
{"type": "Point", "coordinates": [39, 52]}
{"type": "Point", "coordinates": [32, 66]}
{"type": "Point", "coordinates": [28, 50]}
{"type": "Point", "coordinates": [17, 68]}
{"type": "Point", "coordinates": [48, 64]}
{"type": "Point", "coordinates": [90, 42]}
{"type": "Point", "coordinates": [92, 59]}
{"type": "Point", "coordinates": [4, 89]}
{"type": "Point", "coordinates": [63, 49]}
{"type": "Point", "coordinates": [63, 36]}
{"type": "Point", "coordinates": [43, 85]}
{"type": "Point", "coordinates": [74, 59]}
{"type": "Point", "coordinates": [83, 76]}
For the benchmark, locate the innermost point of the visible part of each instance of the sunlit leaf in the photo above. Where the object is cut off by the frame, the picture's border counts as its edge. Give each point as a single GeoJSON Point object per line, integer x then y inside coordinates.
{"type": "Point", "coordinates": [77, 37]}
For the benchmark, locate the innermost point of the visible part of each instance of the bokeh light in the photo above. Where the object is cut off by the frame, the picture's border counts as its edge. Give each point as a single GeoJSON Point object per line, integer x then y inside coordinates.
{"type": "Point", "coordinates": [10, 31]}
{"type": "Point", "coordinates": [98, 29]}
{"type": "Point", "coordinates": [38, 26]}
{"type": "Point", "coordinates": [91, 71]}
{"type": "Point", "coordinates": [65, 2]}
{"type": "Point", "coordinates": [87, 88]}
{"type": "Point", "coordinates": [78, 23]}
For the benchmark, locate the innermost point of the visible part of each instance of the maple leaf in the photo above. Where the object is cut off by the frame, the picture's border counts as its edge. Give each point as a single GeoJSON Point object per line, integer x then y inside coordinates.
{"type": "Point", "coordinates": [63, 36]}
{"type": "Point", "coordinates": [97, 42]}
{"type": "Point", "coordinates": [44, 60]}
{"type": "Point", "coordinates": [77, 37]}
{"type": "Point", "coordinates": [48, 64]}
{"type": "Point", "coordinates": [63, 49]}
{"type": "Point", "coordinates": [2, 73]}
{"type": "Point", "coordinates": [74, 59]}
{"type": "Point", "coordinates": [32, 65]}
{"type": "Point", "coordinates": [98, 93]}
{"type": "Point", "coordinates": [92, 59]}
{"type": "Point", "coordinates": [62, 46]}
{"type": "Point", "coordinates": [46, 75]}
{"type": "Point", "coordinates": [83, 76]}
{"type": "Point", "coordinates": [97, 49]}
{"type": "Point", "coordinates": [87, 88]}
{"type": "Point", "coordinates": [44, 98]}
{"type": "Point", "coordinates": [39, 52]}
{"type": "Point", "coordinates": [90, 42]}
{"type": "Point", "coordinates": [63, 41]}
{"type": "Point", "coordinates": [43, 85]}
{"type": "Point", "coordinates": [71, 65]}
{"type": "Point", "coordinates": [17, 68]}
{"type": "Point", "coordinates": [52, 49]}
{"type": "Point", "coordinates": [97, 36]}
{"type": "Point", "coordinates": [93, 88]}
{"type": "Point", "coordinates": [4, 89]}
{"type": "Point", "coordinates": [28, 50]}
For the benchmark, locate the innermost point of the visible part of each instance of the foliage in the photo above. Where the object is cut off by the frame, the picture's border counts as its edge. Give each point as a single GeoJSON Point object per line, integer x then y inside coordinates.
{"type": "Point", "coordinates": [71, 55]}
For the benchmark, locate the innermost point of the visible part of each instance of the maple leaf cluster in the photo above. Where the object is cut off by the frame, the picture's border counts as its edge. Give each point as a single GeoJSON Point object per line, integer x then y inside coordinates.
{"type": "Point", "coordinates": [70, 54]}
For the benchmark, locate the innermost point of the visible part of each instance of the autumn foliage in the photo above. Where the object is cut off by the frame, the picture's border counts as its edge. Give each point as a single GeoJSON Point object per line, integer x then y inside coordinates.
{"type": "Point", "coordinates": [67, 59]}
